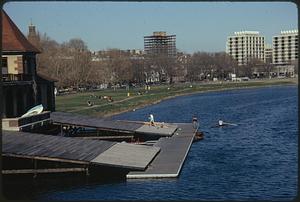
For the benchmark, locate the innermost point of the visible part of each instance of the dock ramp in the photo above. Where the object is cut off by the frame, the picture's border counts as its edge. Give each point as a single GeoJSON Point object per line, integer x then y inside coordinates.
{"type": "Point", "coordinates": [135, 157]}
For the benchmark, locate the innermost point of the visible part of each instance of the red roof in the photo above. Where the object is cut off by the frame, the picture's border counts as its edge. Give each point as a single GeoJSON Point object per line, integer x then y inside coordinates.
{"type": "Point", "coordinates": [12, 38]}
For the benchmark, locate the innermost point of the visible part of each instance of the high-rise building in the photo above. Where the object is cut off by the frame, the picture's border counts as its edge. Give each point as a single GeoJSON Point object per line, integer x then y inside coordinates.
{"type": "Point", "coordinates": [285, 47]}
{"type": "Point", "coordinates": [160, 44]}
{"type": "Point", "coordinates": [268, 53]}
{"type": "Point", "coordinates": [246, 45]}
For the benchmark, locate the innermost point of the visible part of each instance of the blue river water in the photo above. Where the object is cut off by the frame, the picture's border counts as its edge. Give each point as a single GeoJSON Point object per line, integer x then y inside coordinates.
{"type": "Point", "coordinates": [255, 160]}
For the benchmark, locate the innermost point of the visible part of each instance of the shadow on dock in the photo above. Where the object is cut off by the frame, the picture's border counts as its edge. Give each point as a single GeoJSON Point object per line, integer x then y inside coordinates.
{"type": "Point", "coordinates": [16, 187]}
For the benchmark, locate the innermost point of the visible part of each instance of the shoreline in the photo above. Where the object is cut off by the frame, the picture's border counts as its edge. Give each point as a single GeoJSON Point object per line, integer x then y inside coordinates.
{"type": "Point", "coordinates": [110, 115]}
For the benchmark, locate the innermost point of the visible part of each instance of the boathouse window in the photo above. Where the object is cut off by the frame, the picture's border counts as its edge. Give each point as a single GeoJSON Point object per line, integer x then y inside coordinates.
{"type": "Point", "coordinates": [4, 65]}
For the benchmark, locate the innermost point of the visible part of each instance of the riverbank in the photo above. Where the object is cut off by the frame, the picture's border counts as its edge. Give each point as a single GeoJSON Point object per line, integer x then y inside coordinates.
{"type": "Point", "coordinates": [139, 97]}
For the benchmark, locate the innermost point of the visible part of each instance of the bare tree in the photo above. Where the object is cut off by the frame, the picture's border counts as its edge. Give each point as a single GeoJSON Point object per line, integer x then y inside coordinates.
{"type": "Point", "coordinates": [48, 61]}
{"type": "Point", "coordinates": [199, 66]}
{"type": "Point", "coordinates": [78, 60]}
{"type": "Point", "coordinates": [138, 70]}
{"type": "Point", "coordinates": [120, 66]}
{"type": "Point", "coordinates": [203, 65]}
{"type": "Point", "coordinates": [164, 65]}
{"type": "Point", "coordinates": [76, 44]}
{"type": "Point", "coordinates": [100, 73]}
{"type": "Point", "coordinates": [223, 64]}
{"type": "Point", "coordinates": [253, 65]}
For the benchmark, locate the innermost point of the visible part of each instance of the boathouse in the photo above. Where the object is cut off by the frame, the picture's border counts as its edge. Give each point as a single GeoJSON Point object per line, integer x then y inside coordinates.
{"type": "Point", "coordinates": [23, 87]}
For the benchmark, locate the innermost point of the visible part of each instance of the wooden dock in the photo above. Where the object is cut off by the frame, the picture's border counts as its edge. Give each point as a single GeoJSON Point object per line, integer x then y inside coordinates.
{"type": "Point", "coordinates": [77, 120]}
{"type": "Point", "coordinates": [130, 127]}
{"type": "Point", "coordinates": [78, 151]}
{"type": "Point", "coordinates": [163, 159]}
{"type": "Point", "coordinates": [169, 161]}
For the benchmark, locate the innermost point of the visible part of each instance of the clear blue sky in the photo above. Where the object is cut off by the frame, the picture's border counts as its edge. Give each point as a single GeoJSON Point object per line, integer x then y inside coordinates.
{"type": "Point", "coordinates": [199, 26]}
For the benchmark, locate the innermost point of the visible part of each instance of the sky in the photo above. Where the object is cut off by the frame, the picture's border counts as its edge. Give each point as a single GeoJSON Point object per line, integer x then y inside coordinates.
{"type": "Point", "coordinates": [198, 26]}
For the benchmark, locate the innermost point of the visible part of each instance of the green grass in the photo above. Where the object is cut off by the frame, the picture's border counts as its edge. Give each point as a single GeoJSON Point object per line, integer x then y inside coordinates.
{"type": "Point", "coordinates": [77, 103]}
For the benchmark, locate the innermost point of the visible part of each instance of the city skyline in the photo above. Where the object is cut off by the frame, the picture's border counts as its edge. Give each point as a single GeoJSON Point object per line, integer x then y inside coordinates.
{"type": "Point", "coordinates": [104, 25]}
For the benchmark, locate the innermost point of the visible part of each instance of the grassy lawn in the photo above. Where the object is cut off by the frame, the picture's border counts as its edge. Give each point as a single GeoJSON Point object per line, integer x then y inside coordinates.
{"type": "Point", "coordinates": [77, 103]}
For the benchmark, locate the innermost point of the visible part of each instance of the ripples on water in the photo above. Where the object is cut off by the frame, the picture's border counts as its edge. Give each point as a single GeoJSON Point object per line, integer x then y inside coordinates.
{"type": "Point", "coordinates": [255, 160]}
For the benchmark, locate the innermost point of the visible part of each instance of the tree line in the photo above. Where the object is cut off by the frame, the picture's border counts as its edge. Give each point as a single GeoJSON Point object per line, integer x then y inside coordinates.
{"type": "Point", "coordinates": [72, 65]}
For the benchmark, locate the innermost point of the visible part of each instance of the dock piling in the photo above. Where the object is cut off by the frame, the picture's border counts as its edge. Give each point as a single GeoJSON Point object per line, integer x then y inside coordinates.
{"type": "Point", "coordinates": [87, 173]}
{"type": "Point", "coordinates": [35, 168]}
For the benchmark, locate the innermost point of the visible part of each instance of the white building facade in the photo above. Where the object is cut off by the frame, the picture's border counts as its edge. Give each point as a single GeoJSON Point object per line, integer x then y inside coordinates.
{"type": "Point", "coordinates": [285, 47]}
{"type": "Point", "coordinates": [246, 45]}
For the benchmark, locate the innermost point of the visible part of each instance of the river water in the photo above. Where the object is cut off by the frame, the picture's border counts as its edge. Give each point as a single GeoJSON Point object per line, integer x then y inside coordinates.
{"type": "Point", "coordinates": [255, 160]}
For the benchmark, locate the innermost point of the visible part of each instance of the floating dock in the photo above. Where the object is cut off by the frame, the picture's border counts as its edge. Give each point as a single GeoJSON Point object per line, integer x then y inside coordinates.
{"type": "Point", "coordinates": [78, 151]}
{"type": "Point", "coordinates": [173, 151]}
{"type": "Point", "coordinates": [163, 159]}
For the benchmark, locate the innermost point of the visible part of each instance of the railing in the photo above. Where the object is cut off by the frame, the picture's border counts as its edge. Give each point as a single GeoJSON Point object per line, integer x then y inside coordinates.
{"type": "Point", "coordinates": [16, 77]}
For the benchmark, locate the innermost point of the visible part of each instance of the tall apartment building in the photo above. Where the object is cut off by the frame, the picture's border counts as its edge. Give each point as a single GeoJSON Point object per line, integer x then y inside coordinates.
{"type": "Point", "coordinates": [268, 53]}
{"type": "Point", "coordinates": [160, 44]}
{"type": "Point", "coordinates": [246, 45]}
{"type": "Point", "coordinates": [285, 47]}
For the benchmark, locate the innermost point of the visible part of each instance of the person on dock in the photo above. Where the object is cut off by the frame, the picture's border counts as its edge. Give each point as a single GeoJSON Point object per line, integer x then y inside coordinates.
{"type": "Point", "coordinates": [151, 118]}
{"type": "Point", "coordinates": [195, 122]}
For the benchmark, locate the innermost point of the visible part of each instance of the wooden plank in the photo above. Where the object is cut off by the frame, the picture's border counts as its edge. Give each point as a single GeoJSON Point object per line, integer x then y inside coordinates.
{"type": "Point", "coordinates": [49, 170]}
{"type": "Point", "coordinates": [45, 158]}
{"type": "Point", "coordinates": [106, 137]}
{"type": "Point", "coordinates": [87, 121]}
{"type": "Point", "coordinates": [47, 146]}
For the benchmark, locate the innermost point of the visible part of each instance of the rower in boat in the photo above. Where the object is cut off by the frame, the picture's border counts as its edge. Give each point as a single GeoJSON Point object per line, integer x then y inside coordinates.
{"type": "Point", "coordinates": [222, 123]}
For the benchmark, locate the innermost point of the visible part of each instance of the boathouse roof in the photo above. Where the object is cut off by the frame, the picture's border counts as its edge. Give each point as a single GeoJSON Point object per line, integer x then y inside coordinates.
{"type": "Point", "coordinates": [13, 39]}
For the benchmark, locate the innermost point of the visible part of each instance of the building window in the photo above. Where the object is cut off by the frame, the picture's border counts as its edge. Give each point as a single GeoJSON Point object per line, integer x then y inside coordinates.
{"type": "Point", "coordinates": [4, 65]}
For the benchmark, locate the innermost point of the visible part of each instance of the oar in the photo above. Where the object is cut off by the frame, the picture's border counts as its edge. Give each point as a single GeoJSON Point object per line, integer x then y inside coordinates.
{"type": "Point", "coordinates": [231, 124]}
